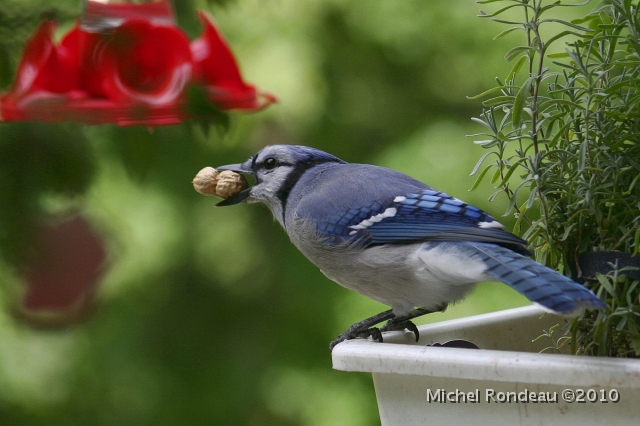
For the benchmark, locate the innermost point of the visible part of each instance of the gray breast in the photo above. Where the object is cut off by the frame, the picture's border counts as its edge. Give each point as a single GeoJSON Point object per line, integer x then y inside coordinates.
{"type": "Point", "coordinates": [395, 275]}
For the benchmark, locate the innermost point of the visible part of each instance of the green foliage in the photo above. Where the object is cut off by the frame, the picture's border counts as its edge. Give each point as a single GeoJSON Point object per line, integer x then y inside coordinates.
{"type": "Point", "coordinates": [556, 343]}
{"type": "Point", "coordinates": [564, 132]}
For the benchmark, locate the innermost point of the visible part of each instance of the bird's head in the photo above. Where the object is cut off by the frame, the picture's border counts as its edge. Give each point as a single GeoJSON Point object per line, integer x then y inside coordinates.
{"type": "Point", "coordinates": [276, 169]}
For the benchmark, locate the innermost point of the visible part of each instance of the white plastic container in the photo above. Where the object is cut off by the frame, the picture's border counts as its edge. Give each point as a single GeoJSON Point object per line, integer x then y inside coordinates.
{"type": "Point", "coordinates": [422, 385]}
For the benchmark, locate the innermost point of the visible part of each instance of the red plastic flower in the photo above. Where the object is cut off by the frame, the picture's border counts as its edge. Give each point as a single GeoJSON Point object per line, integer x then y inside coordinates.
{"type": "Point", "coordinates": [138, 62]}
{"type": "Point", "coordinates": [136, 73]}
{"type": "Point", "coordinates": [224, 83]}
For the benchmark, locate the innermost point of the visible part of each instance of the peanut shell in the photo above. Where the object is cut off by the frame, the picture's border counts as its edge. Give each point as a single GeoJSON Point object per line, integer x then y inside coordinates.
{"type": "Point", "coordinates": [230, 183]}
{"type": "Point", "coordinates": [206, 180]}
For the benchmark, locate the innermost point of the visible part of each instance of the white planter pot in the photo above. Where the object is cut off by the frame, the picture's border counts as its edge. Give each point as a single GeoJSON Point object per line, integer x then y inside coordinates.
{"type": "Point", "coordinates": [419, 385]}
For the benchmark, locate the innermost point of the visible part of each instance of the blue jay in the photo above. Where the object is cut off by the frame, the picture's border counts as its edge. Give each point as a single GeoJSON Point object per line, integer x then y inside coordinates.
{"type": "Point", "coordinates": [394, 239]}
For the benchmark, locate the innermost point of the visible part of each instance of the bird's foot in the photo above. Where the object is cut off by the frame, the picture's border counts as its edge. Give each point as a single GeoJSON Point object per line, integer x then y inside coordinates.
{"type": "Point", "coordinates": [354, 333]}
{"type": "Point", "coordinates": [394, 324]}
{"type": "Point", "coordinates": [404, 322]}
{"type": "Point", "coordinates": [400, 324]}
{"type": "Point", "coordinates": [364, 329]}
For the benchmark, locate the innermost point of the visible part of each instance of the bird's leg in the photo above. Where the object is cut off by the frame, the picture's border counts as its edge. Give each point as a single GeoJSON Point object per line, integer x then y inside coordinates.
{"type": "Point", "coordinates": [404, 322]}
{"type": "Point", "coordinates": [364, 328]}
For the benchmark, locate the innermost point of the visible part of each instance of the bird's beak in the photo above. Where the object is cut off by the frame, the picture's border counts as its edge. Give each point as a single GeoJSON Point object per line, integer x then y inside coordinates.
{"type": "Point", "coordinates": [240, 197]}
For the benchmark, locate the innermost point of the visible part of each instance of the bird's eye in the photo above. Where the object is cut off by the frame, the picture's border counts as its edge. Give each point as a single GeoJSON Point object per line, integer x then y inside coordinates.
{"type": "Point", "coordinates": [270, 163]}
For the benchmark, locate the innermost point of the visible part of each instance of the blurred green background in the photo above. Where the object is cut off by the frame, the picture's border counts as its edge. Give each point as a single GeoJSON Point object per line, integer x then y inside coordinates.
{"type": "Point", "coordinates": [209, 315]}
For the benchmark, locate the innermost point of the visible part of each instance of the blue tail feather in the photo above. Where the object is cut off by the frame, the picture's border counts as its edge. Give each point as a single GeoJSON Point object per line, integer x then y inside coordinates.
{"type": "Point", "coordinates": [538, 283]}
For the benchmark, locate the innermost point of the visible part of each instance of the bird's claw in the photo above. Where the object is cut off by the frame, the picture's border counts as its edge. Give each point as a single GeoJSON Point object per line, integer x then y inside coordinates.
{"type": "Point", "coordinates": [376, 333]}
{"type": "Point", "coordinates": [364, 328]}
{"type": "Point", "coordinates": [399, 324]}
{"type": "Point", "coordinates": [373, 332]}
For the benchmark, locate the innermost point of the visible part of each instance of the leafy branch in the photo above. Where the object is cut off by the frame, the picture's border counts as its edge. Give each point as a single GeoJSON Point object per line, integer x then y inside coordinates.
{"type": "Point", "coordinates": [562, 130]}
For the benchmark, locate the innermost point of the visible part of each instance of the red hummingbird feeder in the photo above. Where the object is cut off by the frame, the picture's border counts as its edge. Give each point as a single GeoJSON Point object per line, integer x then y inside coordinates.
{"type": "Point", "coordinates": [127, 62]}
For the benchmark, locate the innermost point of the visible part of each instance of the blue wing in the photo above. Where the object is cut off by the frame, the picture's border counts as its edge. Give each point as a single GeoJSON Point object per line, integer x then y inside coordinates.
{"type": "Point", "coordinates": [423, 215]}
{"type": "Point", "coordinates": [374, 205]}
